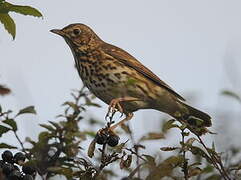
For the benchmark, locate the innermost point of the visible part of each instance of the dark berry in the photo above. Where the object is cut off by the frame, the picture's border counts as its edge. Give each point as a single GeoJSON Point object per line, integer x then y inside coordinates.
{"type": "Point", "coordinates": [101, 138]}
{"type": "Point", "coordinates": [19, 157]}
{"type": "Point", "coordinates": [7, 168]}
{"type": "Point", "coordinates": [1, 163]}
{"type": "Point", "coordinates": [14, 175]}
{"type": "Point", "coordinates": [27, 177]}
{"type": "Point", "coordinates": [113, 140]}
{"type": "Point", "coordinates": [28, 169]}
{"type": "Point", "coordinates": [7, 156]}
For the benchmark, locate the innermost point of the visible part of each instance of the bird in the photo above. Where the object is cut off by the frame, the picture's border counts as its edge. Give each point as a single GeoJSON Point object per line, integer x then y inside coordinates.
{"type": "Point", "coordinates": [124, 83]}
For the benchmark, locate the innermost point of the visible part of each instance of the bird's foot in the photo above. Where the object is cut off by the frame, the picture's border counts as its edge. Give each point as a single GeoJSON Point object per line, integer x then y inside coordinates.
{"type": "Point", "coordinates": [114, 106]}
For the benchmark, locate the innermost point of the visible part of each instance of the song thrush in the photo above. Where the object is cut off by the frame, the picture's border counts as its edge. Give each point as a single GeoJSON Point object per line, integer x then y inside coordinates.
{"type": "Point", "coordinates": [121, 81]}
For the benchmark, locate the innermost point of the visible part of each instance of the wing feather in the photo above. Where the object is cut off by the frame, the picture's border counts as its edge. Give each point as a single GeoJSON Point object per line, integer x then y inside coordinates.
{"type": "Point", "coordinates": [132, 62]}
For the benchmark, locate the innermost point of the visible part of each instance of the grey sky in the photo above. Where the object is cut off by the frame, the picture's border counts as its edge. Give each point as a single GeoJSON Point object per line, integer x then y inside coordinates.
{"type": "Point", "coordinates": [184, 42]}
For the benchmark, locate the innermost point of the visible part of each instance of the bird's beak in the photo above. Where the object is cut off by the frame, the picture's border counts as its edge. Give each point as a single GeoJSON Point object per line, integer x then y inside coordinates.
{"type": "Point", "coordinates": [57, 31]}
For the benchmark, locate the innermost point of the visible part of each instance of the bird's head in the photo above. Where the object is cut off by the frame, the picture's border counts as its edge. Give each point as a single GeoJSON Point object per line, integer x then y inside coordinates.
{"type": "Point", "coordinates": [78, 35]}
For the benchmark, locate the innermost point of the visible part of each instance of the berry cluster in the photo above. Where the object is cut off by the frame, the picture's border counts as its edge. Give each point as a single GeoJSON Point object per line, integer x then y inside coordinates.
{"type": "Point", "coordinates": [10, 166]}
{"type": "Point", "coordinates": [105, 137]}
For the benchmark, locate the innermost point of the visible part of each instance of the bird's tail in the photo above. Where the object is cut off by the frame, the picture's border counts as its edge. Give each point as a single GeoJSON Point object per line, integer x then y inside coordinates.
{"type": "Point", "coordinates": [194, 118]}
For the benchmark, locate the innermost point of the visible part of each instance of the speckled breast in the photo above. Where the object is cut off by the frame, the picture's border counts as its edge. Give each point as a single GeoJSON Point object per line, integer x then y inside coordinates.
{"type": "Point", "coordinates": [109, 79]}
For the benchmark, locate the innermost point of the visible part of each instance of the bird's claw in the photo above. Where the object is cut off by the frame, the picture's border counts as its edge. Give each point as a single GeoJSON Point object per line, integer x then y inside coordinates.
{"type": "Point", "coordinates": [114, 106]}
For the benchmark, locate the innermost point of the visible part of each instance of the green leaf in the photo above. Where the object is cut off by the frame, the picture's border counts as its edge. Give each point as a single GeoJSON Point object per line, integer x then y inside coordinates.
{"type": "Point", "coordinates": [11, 123]}
{"type": "Point", "coordinates": [169, 148]}
{"type": "Point", "coordinates": [26, 10]}
{"type": "Point", "coordinates": [3, 130]}
{"type": "Point", "coordinates": [150, 159]}
{"type": "Point", "coordinates": [119, 147]}
{"type": "Point", "coordinates": [72, 105]}
{"type": "Point", "coordinates": [91, 149]}
{"type": "Point", "coordinates": [62, 170]}
{"type": "Point", "coordinates": [190, 141]}
{"type": "Point", "coordinates": [168, 125]}
{"type": "Point", "coordinates": [56, 125]}
{"type": "Point", "coordinates": [208, 169]}
{"type": "Point", "coordinates": [8, 23]}
{"type": "Point", "coordinates": [4, 91]}
{"type": "Point", "coordinates": [153, 136]}
{"type": "Point", "coordinates": [198, 151]}
{"type": "Point", "coordinates": [50, 128]}
{"type": "Point", "coordinates": [29, 109]}
{"type": "Point", "coordinates": [194, 171]}
{"type": "Point", "coordinates": [135, 171]}
{"type": "Point", "coordinates": [214, 177]}
{"type": "Point", "coordinates": [126, 163]}
{"type": "Point", "coordinates": [6, 146]}
{"type": "Point", "coordinates": [232, 94]}
{"type": "Point", "coordinates": [165, 168]}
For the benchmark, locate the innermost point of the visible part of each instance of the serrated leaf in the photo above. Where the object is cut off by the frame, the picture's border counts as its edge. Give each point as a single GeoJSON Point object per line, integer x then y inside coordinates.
{"type": "Point", "coordinates": [50, 128]}
{"type": "Point", "coordinates": [26, 110]}
{"type": "Point", "coordinates": [8, 23]}
{"type": "Point", "coordinates": [56, 125]}
{"type": "Point", "coordinates": [72, 105]}
{"type": "Point", "coordinates": [11, 123]}
{"type": "Point", "coordinates": [153, 136]}
{"type": "Point", "coordinates": [3, 130]}
{"type": "Point", "coordinates": [6, 146]}
{"type": "Point", "coordinates": [169, 148]}
{"type": "Point", "coordinates": [26, 10]}
{"type": "Point", "coordinates": [165, 168]}
{"type": "Point", "coordinates": [88, 102]}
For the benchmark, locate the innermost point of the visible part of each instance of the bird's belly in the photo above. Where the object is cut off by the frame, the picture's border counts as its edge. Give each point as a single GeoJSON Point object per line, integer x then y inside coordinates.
{"type": "Point", "coordinates": [114, 87]}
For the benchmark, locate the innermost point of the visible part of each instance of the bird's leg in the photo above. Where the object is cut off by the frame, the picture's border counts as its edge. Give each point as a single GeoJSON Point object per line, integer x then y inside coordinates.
{"type": "Point", "coordinates": [127, 118]}
{"type": "Point", "coordinates": [115, 104]}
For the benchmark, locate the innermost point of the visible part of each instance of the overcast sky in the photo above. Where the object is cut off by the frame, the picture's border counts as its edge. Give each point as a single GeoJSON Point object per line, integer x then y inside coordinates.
{"type": "Point", "coordinates": [194, 46]}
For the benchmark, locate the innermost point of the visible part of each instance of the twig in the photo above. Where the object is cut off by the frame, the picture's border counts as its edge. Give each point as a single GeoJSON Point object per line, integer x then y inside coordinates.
{"type": "Point", "coordinates": [137, 161]}
{"type": "Point", "coordinates": [105, 160]}
{"type": "Point", "coordinates": [136, 148]}
{"type": "Point", "coordinates": [217, 163]}
{"type": "Point", "coordinates": [20, 142]}
{"type": "Point", "coordinates": [133, 152]}
{"type": "Point", "coordinates": [185, 161]}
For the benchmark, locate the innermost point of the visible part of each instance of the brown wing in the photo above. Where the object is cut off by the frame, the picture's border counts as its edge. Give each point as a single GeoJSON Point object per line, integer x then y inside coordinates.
{"type": "Point", "coordinates": [132, 62]}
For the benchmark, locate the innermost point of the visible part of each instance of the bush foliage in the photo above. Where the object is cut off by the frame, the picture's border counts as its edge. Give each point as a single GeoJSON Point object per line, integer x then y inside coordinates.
{"type": "Point", "coordinates": [60, 149]}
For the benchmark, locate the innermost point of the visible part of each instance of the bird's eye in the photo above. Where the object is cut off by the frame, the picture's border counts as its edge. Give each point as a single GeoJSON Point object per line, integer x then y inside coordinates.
{"type": "Point", "coordinates": [76, 31]}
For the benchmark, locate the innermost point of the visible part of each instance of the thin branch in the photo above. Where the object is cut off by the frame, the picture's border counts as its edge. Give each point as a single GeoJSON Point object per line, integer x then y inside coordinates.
{"type": "Point", "coordinates": [217, 163]}
{"type": "Point", "coordinates": [20, 142]}
{"type": "Point", "coordinates": [185, 161]}
{"type": "Point", "coordinates": [133, 152]}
